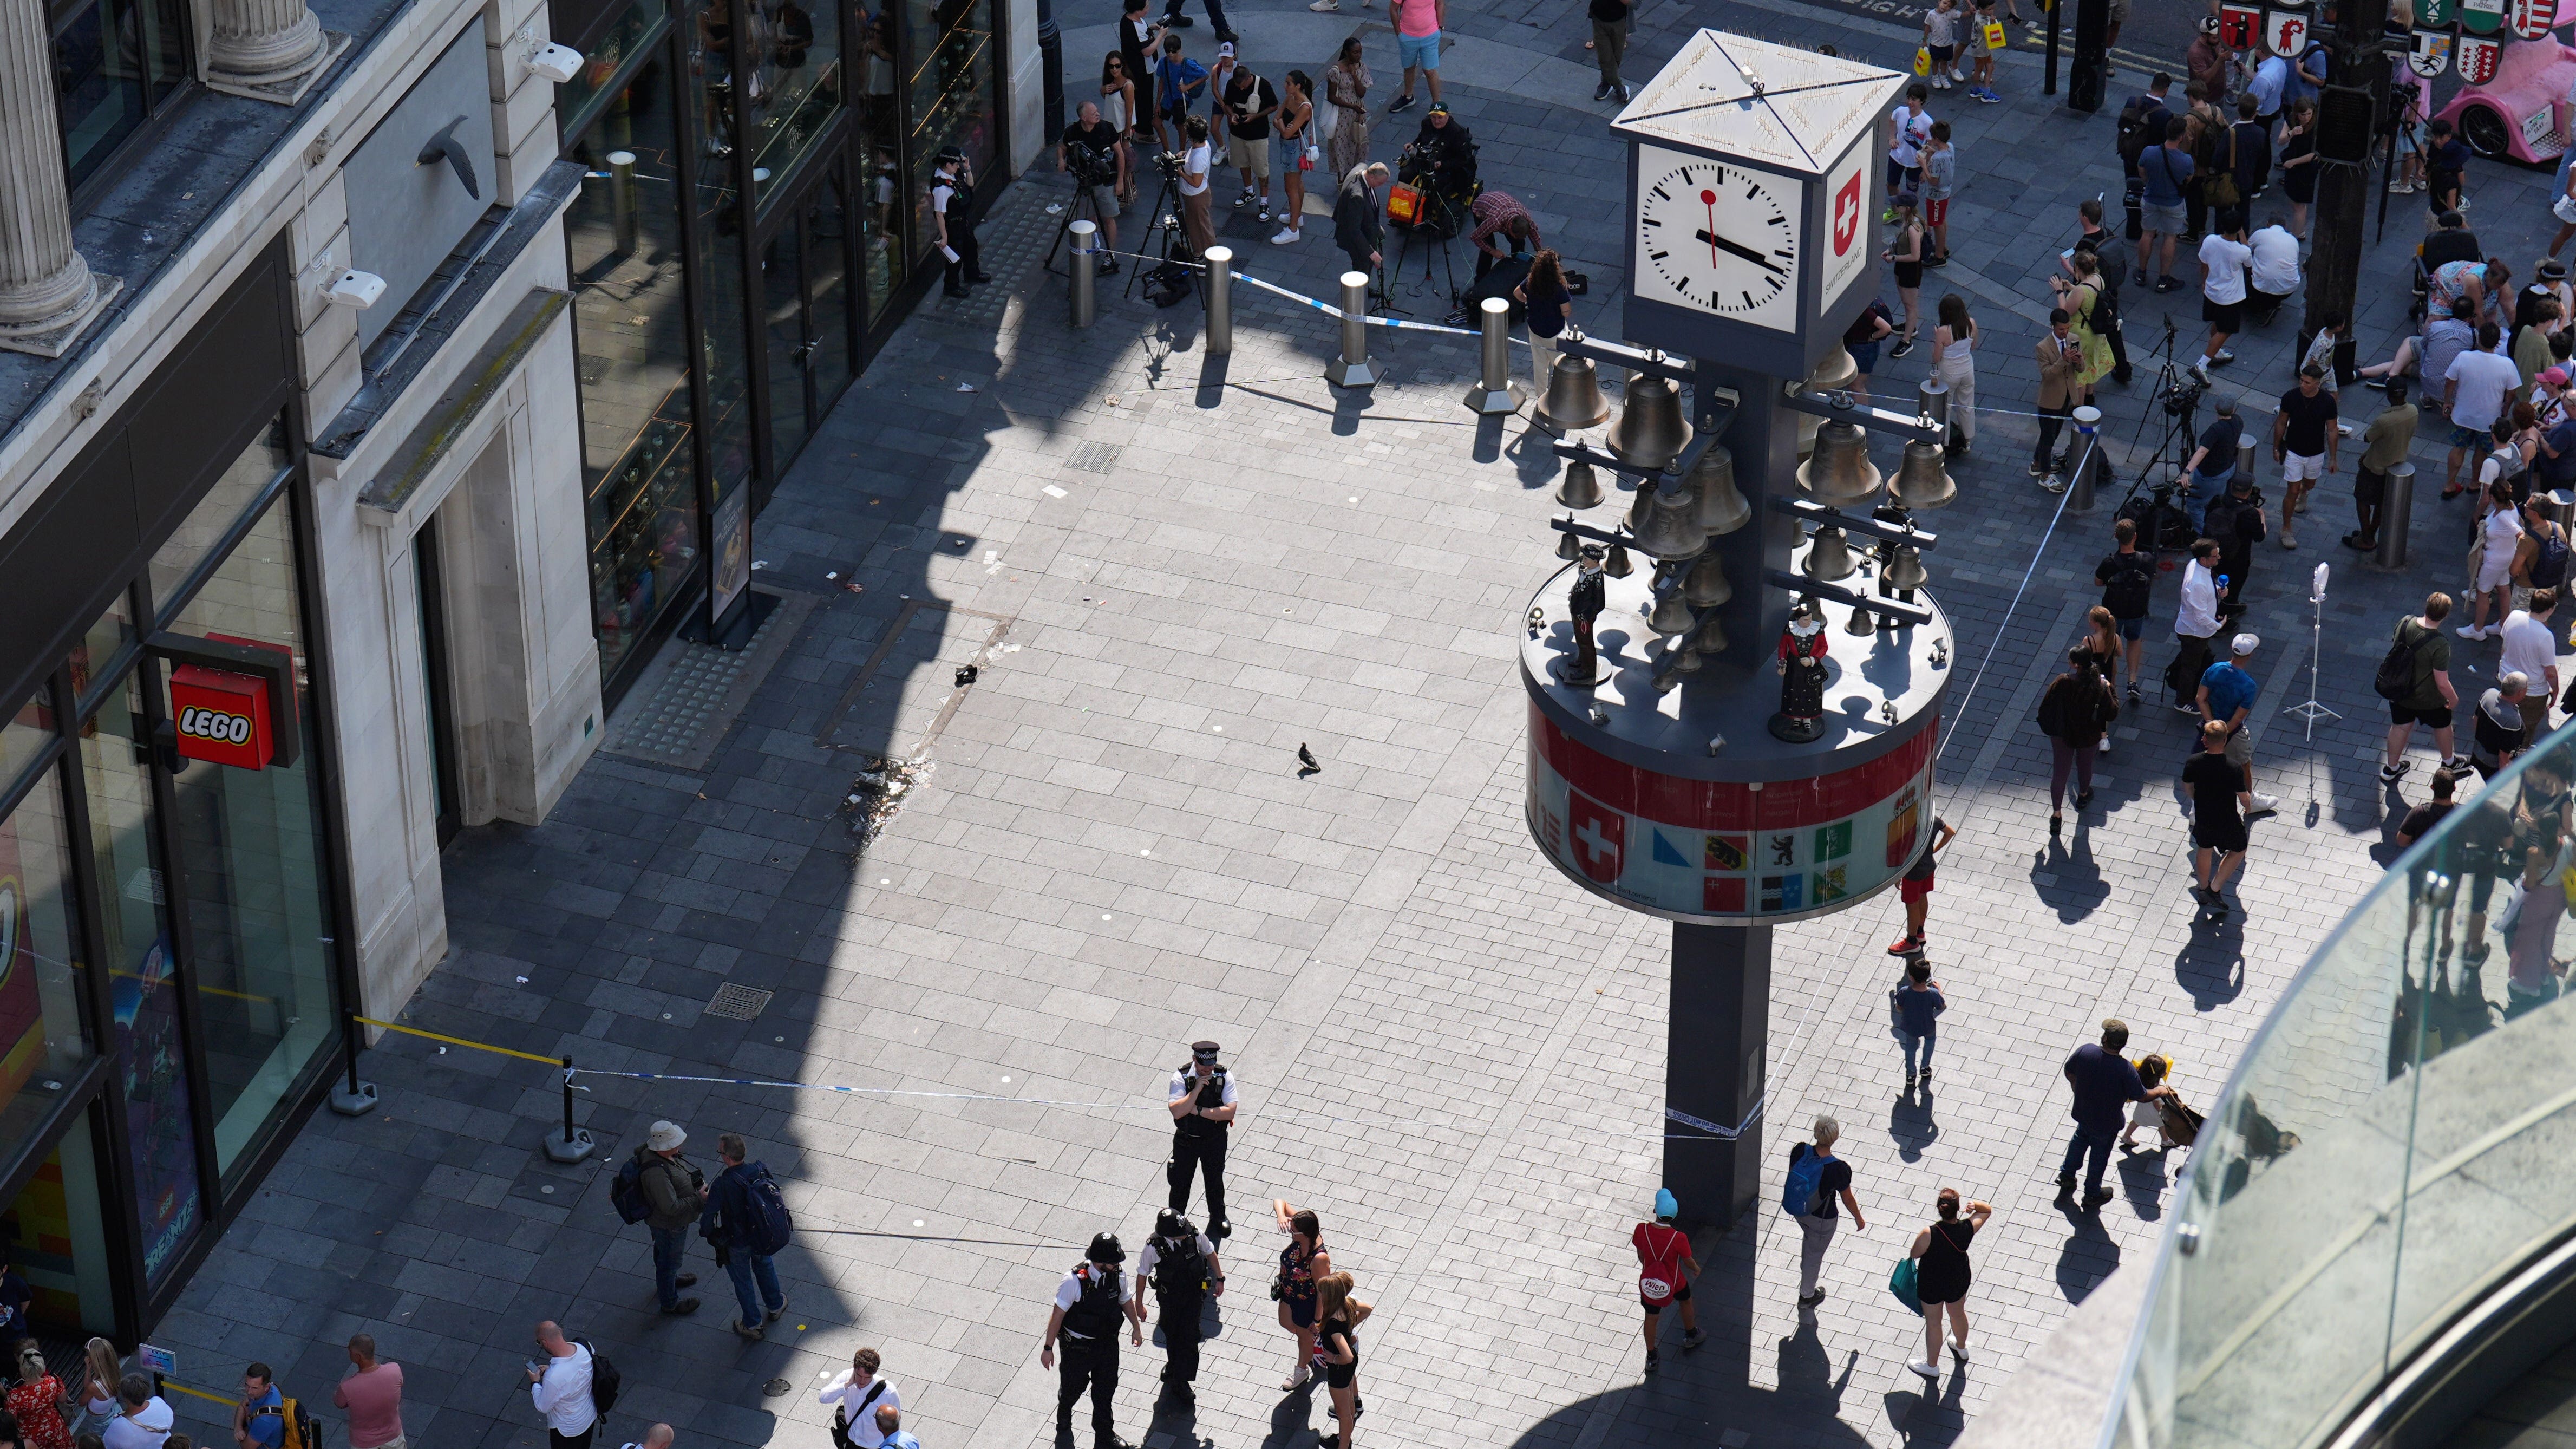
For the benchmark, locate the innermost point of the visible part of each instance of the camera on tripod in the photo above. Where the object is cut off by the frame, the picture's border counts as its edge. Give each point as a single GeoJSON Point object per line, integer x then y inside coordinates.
{"type": "Point", "coordinates": [1093, 166]}
{"type": "Point", "coordinates": [2183, 394]}
{"type": "Point", "coordinates": [1169, 163]}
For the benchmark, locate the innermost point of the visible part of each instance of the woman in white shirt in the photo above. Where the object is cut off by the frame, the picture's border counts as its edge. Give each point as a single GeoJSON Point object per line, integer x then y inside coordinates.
{"type": "Point", "coordinates": [1954, 344]}
{"type": "Point", "coordinates": [859, 1393]}
{"type": "Point", "coordinates": [2500, 534]}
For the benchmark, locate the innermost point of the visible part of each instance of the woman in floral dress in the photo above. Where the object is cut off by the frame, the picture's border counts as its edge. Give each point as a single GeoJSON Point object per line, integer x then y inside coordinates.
{"type": "Point", "coordinates": [1346, 87]}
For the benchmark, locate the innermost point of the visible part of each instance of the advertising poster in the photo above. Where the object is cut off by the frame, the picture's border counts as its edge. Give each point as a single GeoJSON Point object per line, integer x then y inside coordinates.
{"type": "Point", "coordinates": [157, 1129]}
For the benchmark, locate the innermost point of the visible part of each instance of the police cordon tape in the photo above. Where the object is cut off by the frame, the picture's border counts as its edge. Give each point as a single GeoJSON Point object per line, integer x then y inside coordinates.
{"type": "Point", "coordinates": [1327, 308]}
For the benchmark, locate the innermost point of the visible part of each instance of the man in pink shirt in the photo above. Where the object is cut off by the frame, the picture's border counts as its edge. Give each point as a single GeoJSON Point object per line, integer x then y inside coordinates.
{"type": "Point", "coordinates": [1417, 44]}
{"type": "Point", "coordinates": [372, 1393]}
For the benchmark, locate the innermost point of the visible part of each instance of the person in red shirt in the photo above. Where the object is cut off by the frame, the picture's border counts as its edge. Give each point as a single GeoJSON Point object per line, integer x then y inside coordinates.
{"type": "Point", "coordinates": [1663, 1257]}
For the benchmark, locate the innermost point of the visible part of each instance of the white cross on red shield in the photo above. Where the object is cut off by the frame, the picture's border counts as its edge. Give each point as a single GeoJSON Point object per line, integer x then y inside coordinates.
{"type": "Point", "coordinates": [1597, 835]}
{"type": "Point", "coordinates": [1847, 208]}
{"type": "Point", "coordinates": [2286, 30]}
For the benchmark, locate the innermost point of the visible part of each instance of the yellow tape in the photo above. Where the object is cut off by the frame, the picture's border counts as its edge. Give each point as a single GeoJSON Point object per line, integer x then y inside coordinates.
{"type": "Point", "coordinates": [456, 1041]}
{"type": "Point", "coordinates": [200, 1394]}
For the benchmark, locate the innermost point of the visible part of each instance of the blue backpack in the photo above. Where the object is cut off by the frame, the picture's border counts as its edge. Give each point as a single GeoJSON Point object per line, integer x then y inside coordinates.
{"type": "Point", "coordinates": [765, 1225]}
{"type": "Point", "coordinates": [1804, 1192]}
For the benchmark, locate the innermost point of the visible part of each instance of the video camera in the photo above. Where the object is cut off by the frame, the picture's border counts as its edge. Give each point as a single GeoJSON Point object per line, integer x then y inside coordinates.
{"type": "Point", "coordinates": [1170, 163]}
{"type": "Point", "coordinates": [1092, 165]}
{"type": "Point", "coordinates": [2182, 396]}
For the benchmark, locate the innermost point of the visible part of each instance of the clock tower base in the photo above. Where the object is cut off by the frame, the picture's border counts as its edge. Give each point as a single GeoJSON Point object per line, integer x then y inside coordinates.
{"type": "Point", "coordinates": [1713, 1071]}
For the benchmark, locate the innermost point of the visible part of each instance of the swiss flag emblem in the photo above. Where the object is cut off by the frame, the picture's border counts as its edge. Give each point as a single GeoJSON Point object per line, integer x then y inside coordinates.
{"type": "Point", "coordinates": [1847, 213]}
{"type": "Point", "coordinates": [1597, 834]}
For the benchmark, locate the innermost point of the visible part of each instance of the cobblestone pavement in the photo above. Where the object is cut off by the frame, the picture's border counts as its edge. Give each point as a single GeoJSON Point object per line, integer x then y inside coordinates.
{"type": "Point", "coordinates": [1172, 571]}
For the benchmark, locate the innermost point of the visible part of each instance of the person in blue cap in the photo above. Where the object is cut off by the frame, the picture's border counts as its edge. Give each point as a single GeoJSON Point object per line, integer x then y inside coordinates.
{"type": "Point", "coordinates": [1663, 1258]}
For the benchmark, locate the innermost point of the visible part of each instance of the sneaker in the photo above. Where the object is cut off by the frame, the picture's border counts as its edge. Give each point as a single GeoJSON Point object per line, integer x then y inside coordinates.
{"type": "Point", "coordinates": [2264, 805]}
{"type": "Point", "coordinates": [1179, 22]}
{"type": "Point", "coordinates": [2039, 470]}
{"type": "Point", "coordinates": [1601, 92]}
{"type": "Point", "coordinates": [1942, 260]}
{"type": "Point", "coordinates": [1653, 1359]}
{"type": "Point", "coordinates": [1107, 268]}
{"type": "Point", "coordinates": [1955, 76]}
{"type": "Point", "coordinates": [749, 1331]}
{"type": "Point", "coordinates": [2200, 370]}
{"type": "Point", "coordinates": [1693, 1339]}
{"type": "Point", "coordinates": [2223, 358]}
{"type": "Point", "coordinates": [1931, 1374]}
{"type": "Point", "coordinates": [2053, 484]}
{"type": "Point", "coordinates": [1243, 201]}
{"type": "Point", "coordinates": [2378, 383]}
{"type": "Point", "coordinates": [686, 1280]}
{"type": "Point", "coordinates": [2465, 632]}
{"type": "Point", "coordinates": [2355, 540]}
{"type": "Point", "coordinates": [2457, 763]}
{"type": "Point", "coordinates": [773, 1313]}
{"type": "Point", "coordinates": [1623, 95]}
{"type": "Point", "coordinates": [2288, 541]}
{"type": "Point", "coordinates": [1325, 7]}
{"type": "Point", "coordinates": [1400, 105]}
{"type": "Point", "coordinates": [1909, 1081]}
{"type": "Point", "coordinates": [1958, 1350]}
{"type": "Point", "coordinates": [1906, 946]}
{"type": "Point", "coordinates": [1989, 97]}
{"type": "Point", "coordinates": [1927, 1076]}
{"type": "Point", "coordinates": [2066, 1180]}
{"type": "Point", "coordinates": [684, 1306]}
{"type": "Point", "coordinates": [1262, 212]}
{"type": "Point", "coordinates": [2168, 284]}
{"type": "Point", "coordinates": [1940, 82]}
{"type": "Point", "coordinates": [2140, 279]}
{"type": "Point", "coordinates": [2134, 696]}
{"type": "Point", "coordinates": [2391, 774]}
{"type": "Point", "coordinates": [1285, 237]}
{"type": "Point", "coordinates": [2098, 1196]}
{"type": "Point", "coordinates": [2402, 188]}
{"type": "Point", "coordinates": [2186, 707]}
{"type": "Point", "coordinates": [1903, 346]}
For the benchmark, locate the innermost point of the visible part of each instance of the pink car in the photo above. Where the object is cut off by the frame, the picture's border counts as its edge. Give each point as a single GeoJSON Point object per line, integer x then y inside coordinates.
{"type": "Point", "coordinates": [2521, 115]}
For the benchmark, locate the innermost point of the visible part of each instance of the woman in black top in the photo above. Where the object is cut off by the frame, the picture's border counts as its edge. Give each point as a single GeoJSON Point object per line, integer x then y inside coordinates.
{"type": "Point", "coordinates": [1941, 1277]}
{"type": "Point", "coordinates": [2299, 164]}
{"type": "Point", "coordinates": [1302, 1264]}
{"type": "Point", "coordinates": [1337, 1350]}
{"type": "Point", "coordinates": [2073, 714]}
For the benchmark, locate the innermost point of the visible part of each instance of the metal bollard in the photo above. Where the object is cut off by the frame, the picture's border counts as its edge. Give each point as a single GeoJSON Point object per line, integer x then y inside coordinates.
{"type": "Point", "coordinates": [2087, 452]}
{"type": "Point", "coordinates": [1080, 279]}
{"type": "Point", "coordinates": [1932, 402]}
{"type": "Point", "coordinates": [2246, 455]}
{"type": "Point", "coordinates": [2396, 503]}
{"type": "Point", "coordinates": [621, 199]}
{"type": "Point", "coordinates": [575, 1144]}
{"type": "Point", "coordinates": [1496, 394]}
{"type": "Point", "coordinates": [1353, 368]}
{"type": "Point", "coordinates": [1220, 301]}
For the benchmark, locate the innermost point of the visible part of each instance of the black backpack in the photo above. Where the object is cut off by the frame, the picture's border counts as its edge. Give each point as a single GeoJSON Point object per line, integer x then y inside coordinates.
{"type": "Point", "coordinates": [605, 1380]}
{"type": "Point", "coordinates": [2131, 586]}
{"type": "Point", "coordinates": [2396, 677]}
{"type": "Point", "coordinates": [2549, 564]}
{"type": "Point", "coordinates": [2141, 126]}
{"type": "Point", "coordinates": [1179, 1267]}
{"type": "Point", "coordinates": [626, 1190]}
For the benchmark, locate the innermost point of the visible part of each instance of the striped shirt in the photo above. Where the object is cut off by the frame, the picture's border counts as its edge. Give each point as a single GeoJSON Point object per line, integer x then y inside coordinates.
{"type": "Point", "coordinates": [1493, 211]}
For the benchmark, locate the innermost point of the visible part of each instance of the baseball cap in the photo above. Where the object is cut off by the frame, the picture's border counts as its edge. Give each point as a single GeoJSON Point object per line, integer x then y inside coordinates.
{"type": "Point", "coordinates": [1225, 49]}
{"type": "Point", "coordinates": [2244, 644]}
{"type": "Point", "coordinates": [1666, 1205]}
{"type": "Point", "coordinates": [1438, 108]}
{"type": "Point", "coordinates": [2554, 376]}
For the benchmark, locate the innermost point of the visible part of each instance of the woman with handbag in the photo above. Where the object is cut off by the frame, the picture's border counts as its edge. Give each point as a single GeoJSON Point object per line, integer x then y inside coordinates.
{"type": "Point", "coordinates": [857, 1395]}
{"type": "Point", "coordinates": [1293, 125]}
{"type": "Point", "coordinates": [2082, 299]}
{"type": "Point", "coordinates": [1301, 1264]}
{"type": "Point", "coordinates": [2079, 704]}
{"type": "Point", "coordinates": [1940, 1258]}
{"type": "Point", "coordinates": [1346, 88]}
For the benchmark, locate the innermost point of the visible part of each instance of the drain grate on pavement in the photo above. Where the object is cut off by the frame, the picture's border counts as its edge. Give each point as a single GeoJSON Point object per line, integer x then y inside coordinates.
{"type": "Point", "coordinates": [680, 709]}
{"type": "Point", "coordinates": [736, 1002]}
{"type": "Point", "coordinates": [1093, 458]}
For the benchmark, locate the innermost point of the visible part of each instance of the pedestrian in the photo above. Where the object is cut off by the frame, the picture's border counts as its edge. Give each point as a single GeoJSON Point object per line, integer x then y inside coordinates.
{"type": "Point", "coordinates": [560, 1380]}
{"type": "Point", "coordinates": [1919, 1004]}
{"type": "Point", "coordinates": [2487, 285]}
{"type": "Point", "coordinates": [1940, 178]}
{"type": "Point", "coordinates": [1118, 108]}
{"type": "Point", "coordinates": [1549, 305]}
{"type": "Point", "coordinates": [2272, 269]}
{"type": "Point", "coordinates": [1610, 21]}
{"type": "Point", "coordinates": [2305, 442]}
{"type": "Point", "coordinates": [2540, 561]}
{"type": "Point", "coordinates": [1090, 148]}
{"type": "Point", "coordinates": [2384, 444]}
{"type": "Point", "coordinates": [1984, 38]}
{"type": "Point", "coordinates": [2211, 466]}
{"type": "Point", "coordinates": [1197, 189]}
{"type": "Point", "coordinates": [1300, 1263]}
{"type": "Point", "coordinates": [1417, 46]}
{"type": "Point", "coordinates": [2207, 61]}
{"type": "Point", "coordinates": [1664, 1270]}
{"type": "Point", "coordinates": [2074, 711]}
{"type": "Point", "coordinates": [2429, 698]}
{"type": "Point", "coordinates": [1248, 103]}
{"type": "Point", "coordinates": [2141, 126]}
{"type": "Point", "coordinates": [1861, 339]}
{"type": "Point", "coordinates": [1905, 253]}
{"type": "Point", "coordinates": [2218, 827]}
{"type": "Point", "coordinates": [371, 1392]}
{"type": "Point", "coordinates": [2267, 88]}
{"type": "Point", "coordinates": [2530, 925]}
{"type": "Point", "coordinates": [2446, 165]}
{"type": "Point", "coordinates": [747, 1223]}
{"type": "Point", "coordinates": [2128, 579]}
{"type": "Point", "coordinates": [2083, 300]}
{"type": "Point", "coordinates": [2531, 334]}
{"type": "Point", "coordinates": [1338, 1316]}
{"type": "Point", "coordinates": [1089, 1305]}
{"type": "Point", "coordinates": [1359, 224]}
{"type": "Point", "coordinates": [1916, 889]}
{"type": "Point", "coordinates": [2224, 259]}
{"type": "Point", "coordinates": [856, 1395]}
{"type": "Point", "coordinates": [2195, 624]}
{"type": "Point", "coordinates": [2227, 695]}
{"type": "Point", "coordinates": [2299, 163]}
{"type": "Point", "coordinates": [2061, 359]}
{"type": "Point", "coordinates": [39, 1402]}
{"type": "Point", "coordinates": [890, 1431]}
{"type": "Point", "coordinates": [2103, 1086]}
{"type": "Point", "coordinates": [2531, 650]}
{"type": "Point", "coordinates": [952, 192]}
{"type": "Point", "coordinates": [259, 1421]}
{"type": "Point", "coordinates": [1941, 1276]}
{"type": "Point", "coordinates": [1954, 361]}
{"type": "Point", "coordinates": [2153, 1070]}
{"type": "Point", "coordinates": [143, 1418]}
{"type": "Point", "coordinates": [1346, 88]}
{"type": "Point", "coordinates": [2237, 522]}
{"type": "Point", "coordinates": [1941, 38]}
{"type": "Point", "coordinates": [1201, 1099]}
{"type": "Point", "coordinates": [1179, 81]}
{"type": "Point", "coordinates": [1294, 126]}
{"type": "Point", "coordinates": [659, 1436]}
{"type": "Point", "coordinates": [2496, 734]}
{"type": "Point", "coordinates": [1501, 222]}
{"type": "Point", "coordinates": [2205, 138]}
{"type": "Point", "coordinates": [2164, 169]}
{"type": "Point", "coordinates": [2476, 387]}
{"type": "Point", "coordinates": [1180, 1264]}
{"type": "Point", "coordinates": [2110, 264]}
{"type": "Point", "coordinates": [674, 1194]}
{"type": "Point", "coordinates": [2499, 538]}
{"type": "Point", "coordinates": [101, 1372]}
{"type": "Point", "coordinates": [1816, 1179]}
{"type": "Point", "coordinates": [2251, 138]}
{"type": "Point", "coordinates": [1909, 127]}
{"type": "Point", "coordinates": [1140, 43]}
{"type": "Point", "coordinates": [2419, 821]}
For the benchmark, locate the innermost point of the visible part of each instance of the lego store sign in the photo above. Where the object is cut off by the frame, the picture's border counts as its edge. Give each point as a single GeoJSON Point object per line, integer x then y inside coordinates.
{"type": "Point", "coordinates": [222, 717]}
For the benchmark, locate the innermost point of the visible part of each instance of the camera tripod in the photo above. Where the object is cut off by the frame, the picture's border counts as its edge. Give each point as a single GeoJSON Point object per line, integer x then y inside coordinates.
{"type": "Point", "coordinates": [1165, 225]}
{"type": "Point", "coordinates": [1452, 219]}
{"type": "Point", "coordinates": [1085, 208]}
{"type": "Point", "coordinates": [2164, 525]}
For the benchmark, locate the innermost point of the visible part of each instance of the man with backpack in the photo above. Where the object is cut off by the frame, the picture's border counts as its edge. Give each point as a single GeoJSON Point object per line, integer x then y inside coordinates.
{"type": "Point", "coordinates": [1816, 1178]}
{"type": "Point", "coordinates": [564, 1385]}
{"type": "Point", "coordinates": [1663, 1258]}
{"type": "Point", "coordinates": [2415, 679]}
{"type": "Point", "coordinates": [1088, 1306]}
{"type": "Point", "coordinates": [747, 1223]}
{"type": "Point", "coordinates": [1180, 1264]}
{"type": "Point", "coordinates": [263, 1417]}
{"type": "Point", "coordinates": [2142, 122]}
{"type": "Point", "coordinates": [658, 1188]}
{"type": "Point", "coordinates": [2128, 580]}
{"type": "Point", "coordinates": [2531, 644]}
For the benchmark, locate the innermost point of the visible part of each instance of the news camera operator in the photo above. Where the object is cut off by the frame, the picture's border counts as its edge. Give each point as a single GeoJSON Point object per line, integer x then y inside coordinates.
{"type": "Point", "coordinates": [1201, 1098]}
{"type": "Point", "coordinates": [1442, 153]}
{"type": "Point", "coordinates": [1093, 151]}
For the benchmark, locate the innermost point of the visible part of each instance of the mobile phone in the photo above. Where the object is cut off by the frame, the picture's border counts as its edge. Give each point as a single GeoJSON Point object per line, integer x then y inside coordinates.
{"type": "Point", "coordinates": [2067, 255]}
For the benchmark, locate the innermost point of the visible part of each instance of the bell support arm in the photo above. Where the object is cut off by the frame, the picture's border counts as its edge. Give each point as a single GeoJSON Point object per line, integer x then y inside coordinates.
{"type": "Point", "coordinates": [1677, 371]}
{"type": "Point", "coordinates": [1810, 511]}
{"type": "Point", "coordinates": [1875, 603]}
{"type": "Point", "coordinates": [1912, 428]}
{"type": "Point", "coordinates": [1573, 451]}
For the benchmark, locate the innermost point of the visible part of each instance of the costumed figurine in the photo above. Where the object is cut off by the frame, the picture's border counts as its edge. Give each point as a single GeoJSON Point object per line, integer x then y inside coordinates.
{"type": "Point", "coordinates": [1802, 676]}
{"type": "Point", "coordinates": [1585, 601]}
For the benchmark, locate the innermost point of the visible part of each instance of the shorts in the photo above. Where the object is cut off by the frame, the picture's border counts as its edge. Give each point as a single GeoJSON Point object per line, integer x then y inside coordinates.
{"type": "Point", "coordinates": [2469, 437]}
{"type": "Point", "coordinates": [1251, 154]}
{"type": "Point", "coordinates": [1680, 1295]}
{"type": "Point", "coordinates": [1864, 355]}
{"type": "Point", "coordinates": [2119, 12]}
{"type": "Point", "coordinates": [2240, 748]}
{"type": "Point", "coordinates": [1340, 1375]}
{"type": "Point", "coordinates": [1418, 50]}
{"type": "Point", "coordinates": [2222, 316]}
{"type": "Point", "coordinates": [2494, 571]}
{"type": "Point", "coordinates": [1936, 213]}
{"type": "Point", "coordinates": [1901, 177]}
{"type": "Point", "coordinates": [1909, 275]}
{"type": "Point", "coordinates": [2226, 836]}
{"type": "Point", "coordinates": [1912, 890]}
{"type": "Point", "coordinates": [1287, 151]}
{"type": "Point", "coordinates": [2410, 140]}
{"type": "Point", "coordinates": [2368, 486]}
{"type": "Point", "coordinates": [2438, 716]}
{"type": "Point", "coordinates": [1301, 1311]}
{"type": "Point", "coordinates": [2131, 629]}
{"type": "Point", "coordinates": [1104, 198]}
{"type": "Point", "coordinates": [2164, 220]}
{"type": "Point", "coordinates": [2302, 467]}
{"type": "Point", "coordinates": [1942, 55]}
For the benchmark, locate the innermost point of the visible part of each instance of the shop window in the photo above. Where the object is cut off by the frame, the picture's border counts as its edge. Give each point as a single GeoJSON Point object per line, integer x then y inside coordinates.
{"type": "Point", "coordinates": [950, 93]}
{"type": "Point", "coordinates": [640, 468]}
{"type": "Point", "coordinates": [796, 82]}
{"type": "Point", "coordinates": [724, 336]}
{"type": "Point", "coordinates": [878, 146]}
{"type": "Point", "coordinates": [57, 1239]}
{"type": "Point", "coordinates": [136, 948]}
{"type": "Point", "coordinates": [250, 847]}
{"type": "Point", "coordinates": [44, 1035]}
{"type": "Point", "coordinates": [101, 650]}
{"type": "Point", "coordinates": [115, 63]}
{"type": "Point", "coordinates": [224, 509]}
{"type": "Point", "coordinates": [596, 89]}
{"type": "Point", "coordinates": [23, 734]}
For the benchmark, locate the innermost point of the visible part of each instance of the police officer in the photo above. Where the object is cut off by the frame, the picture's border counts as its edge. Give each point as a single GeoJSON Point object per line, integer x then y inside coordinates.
{"type": "Point", "coordinates": [1202, 1102]}
{"type": "Point", "coordinates": [952, 194]}
{"type": "Point", "coordinates": [1088, 1306]}
{"type": "Point", "coordinates": [1180, 1265]}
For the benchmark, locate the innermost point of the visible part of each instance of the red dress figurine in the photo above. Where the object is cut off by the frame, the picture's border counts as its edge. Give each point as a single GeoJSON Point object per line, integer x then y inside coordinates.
{"type": "Point", "coordinates": [1802, 677]}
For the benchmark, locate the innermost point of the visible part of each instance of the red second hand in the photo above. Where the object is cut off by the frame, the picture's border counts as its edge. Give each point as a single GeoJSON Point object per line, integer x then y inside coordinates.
{"type": "Point", "coordinates": [1709, 200]}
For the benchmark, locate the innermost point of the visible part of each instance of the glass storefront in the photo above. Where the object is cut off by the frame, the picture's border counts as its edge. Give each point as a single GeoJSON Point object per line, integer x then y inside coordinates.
{"type": "Point", "coordinates": [58, 1243]}
{"type": "Point", "coordinates": [756, 208]}
{"type": "Point", "coordinates": [116, 63]}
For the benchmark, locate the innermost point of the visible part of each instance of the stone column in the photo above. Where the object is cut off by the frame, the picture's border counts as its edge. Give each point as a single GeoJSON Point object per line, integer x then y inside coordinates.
{"type": "Point", "coordinates": [267, 49]}
{"type": "Point", "coordinates": [46, 291]}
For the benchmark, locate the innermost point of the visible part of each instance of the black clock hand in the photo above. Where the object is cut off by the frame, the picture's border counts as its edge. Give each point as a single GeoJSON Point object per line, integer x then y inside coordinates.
{"type": "Point", "coordinates": [1748, 253]}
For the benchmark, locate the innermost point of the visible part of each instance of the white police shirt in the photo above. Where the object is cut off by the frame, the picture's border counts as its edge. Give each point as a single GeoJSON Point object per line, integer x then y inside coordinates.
{"type": "Point", "coordinates": [1187, 1081]}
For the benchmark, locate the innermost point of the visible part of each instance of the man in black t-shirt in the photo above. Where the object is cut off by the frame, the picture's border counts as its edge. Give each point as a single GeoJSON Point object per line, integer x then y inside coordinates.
{"type": "Point", "coordinates": [2306, 443]}
{"type": "Point", "coordinates": [1247, 102]}
{"type": "Point", "coordinates": [2217, 830]}
{"type": "Point", "coordinates": [1096, 154]}
{"type": "Point", "coordinates": [2128, 580]}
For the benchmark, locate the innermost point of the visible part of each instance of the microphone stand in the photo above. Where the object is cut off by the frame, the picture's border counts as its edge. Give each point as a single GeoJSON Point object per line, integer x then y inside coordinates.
{"type": "Point", "coordinates": [2312, 711]}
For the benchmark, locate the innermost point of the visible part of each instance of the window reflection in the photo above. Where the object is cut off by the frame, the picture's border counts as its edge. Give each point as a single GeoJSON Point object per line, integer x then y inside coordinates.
{"type": "Point", "coordinates": [111, 58]}
{"type": "Point", "coordinates": [43, 1024]}
{"type": "Point", "coordinates": [795, 83]}
{"type": "Point", "coordinates": [879, 132]}
{"type": "Point", "coordinates": [217, 514]}
{"type": "Point", "coordinates": [582, 98]}
{"type": "Point", "coordinates": [950, 94]}
{"type": "Point", "coordinates": [723, 317]}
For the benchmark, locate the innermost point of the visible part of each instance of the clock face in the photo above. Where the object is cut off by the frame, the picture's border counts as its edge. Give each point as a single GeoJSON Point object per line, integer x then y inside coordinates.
{"type": "Point", "coordinates": [1718, 236]}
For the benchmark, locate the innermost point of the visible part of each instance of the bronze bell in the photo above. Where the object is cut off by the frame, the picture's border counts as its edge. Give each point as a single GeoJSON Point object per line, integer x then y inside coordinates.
{"type": "Point", "coordinates": [1568, 547]}
{"type": "Point", "coordinates": [1905, 572]}
{"type": "Point", "coordinates": [1829, 557]}
{"type": "Point", "coordinates": [1573, 398]}
{"type": "Point", "coordinates": [1861, 624]}
{"type": "Point", "coordinates": [1672, 615]}
{"type": "Point", "coordinates": [1669, 534]}
{"type": "Point", "coordinates": [1641, 505]}
{"type": "Point", "coordinates": [1616, 565]}
{"type": "Point", "coordinates": [1709, 637]}
{"type": "Point", "coordinates": [1837, 374]}
{"type": "Point", "coordinates": [1840, 474]}
{"type": "Point", "coordinates": [1921, 481]}
{"type": "Point", "coordinates": [1717, 506]}
{"type": "Point", "coordinates": [1581, 488]}
{"type": "Point", "coordinates": [1650, 431]}
{"type": "Point", "coordinates": [1705, 586]}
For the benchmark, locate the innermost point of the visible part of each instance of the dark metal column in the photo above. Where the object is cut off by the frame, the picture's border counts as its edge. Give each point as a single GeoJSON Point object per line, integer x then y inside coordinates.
{"type": "Point", "coordinates": [2090, 78]}
{"type": "Point", "coordinates": [1714, 1070]}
